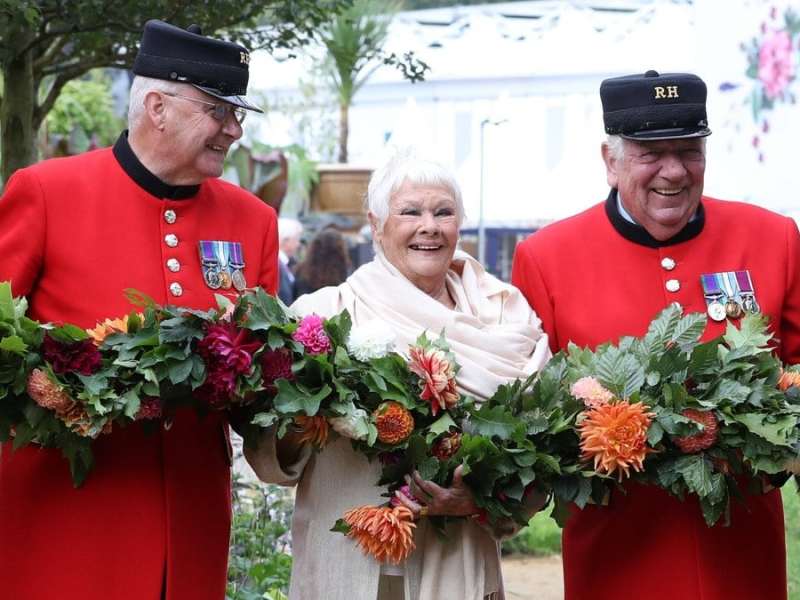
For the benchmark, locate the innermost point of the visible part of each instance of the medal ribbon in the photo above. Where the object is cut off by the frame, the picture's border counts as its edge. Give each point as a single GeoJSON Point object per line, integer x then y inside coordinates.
{"type": "Point", "coordinates": [729, 285]}
{"type": "Point", "coordinates": [237, 260]}
{"type": "Point", "coordinates": [745, 284]}
{"type": "Point", "coordinates": [207, 254]}
{"type": "Point", "coordinates": [222, 252]}
{"type": "Point", "coordinates": [711, 287]}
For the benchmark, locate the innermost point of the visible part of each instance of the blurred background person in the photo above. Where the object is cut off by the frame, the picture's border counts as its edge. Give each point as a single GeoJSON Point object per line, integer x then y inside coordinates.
{"type": "Point", "coordinates": [326, 262]}
{"type": "Point", "coordinates": [289, 233]}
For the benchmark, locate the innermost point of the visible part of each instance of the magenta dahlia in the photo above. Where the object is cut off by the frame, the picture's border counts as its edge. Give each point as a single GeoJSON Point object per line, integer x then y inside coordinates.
{"type": "Point", "coordinates": [311, 334]}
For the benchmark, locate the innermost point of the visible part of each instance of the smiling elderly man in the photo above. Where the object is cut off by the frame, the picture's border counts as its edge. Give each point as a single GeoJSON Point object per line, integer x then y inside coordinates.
{"type": "Point", "coordinates": [606, 273]}
{"type": "Point", "coordinates": [152, 520]}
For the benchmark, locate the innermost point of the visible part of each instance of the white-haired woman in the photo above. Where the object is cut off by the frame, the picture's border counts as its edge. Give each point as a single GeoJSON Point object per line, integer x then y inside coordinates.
{"type": "Point", "coordinates": [418, 281]}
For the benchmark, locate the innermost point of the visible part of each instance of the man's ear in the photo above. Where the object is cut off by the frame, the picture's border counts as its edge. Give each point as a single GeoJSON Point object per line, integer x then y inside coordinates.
{"type": "Point", "coordinates": [374, 225]}
{"type": "Point", "coordinates": [611, 163]}
{"type": "Point", "coordinates": [156, 109]}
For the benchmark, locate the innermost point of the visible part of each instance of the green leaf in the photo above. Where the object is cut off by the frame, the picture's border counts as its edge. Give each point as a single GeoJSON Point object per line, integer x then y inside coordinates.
{"type": "Point", "coordinates": [493, 421]}
{"type": "Point", "coordinates": [752, 332]}
{"type": "Point", "coordinates": [696, 472]}
{"type": "Point", "coordinates": [621, 373]}
{"type": "Point", "coordinates": [6, 302]}
{"type": "Point", "coordinates": [428, 468]}
{"type": "Point", "coordinates": [776, 430]}
{"type": "Point", "coordinates": [442, 424]}
{"type": "Point", "coordinates": [180, 371]}
{"type": "Point", "coordinates": [689, 329]}
{"type": "Point", "coordinates": [13, 344]}
{"type": "Point", "coordinates": [293, 399]}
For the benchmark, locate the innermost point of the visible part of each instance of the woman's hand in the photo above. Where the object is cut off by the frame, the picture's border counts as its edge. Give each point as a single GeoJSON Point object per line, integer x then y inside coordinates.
{"type": "Point", "coordinates": [454, 501]}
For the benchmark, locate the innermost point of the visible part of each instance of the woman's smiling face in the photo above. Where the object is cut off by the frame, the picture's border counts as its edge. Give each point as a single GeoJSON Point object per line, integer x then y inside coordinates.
{"type": "Point", "coordinates": [420, 234]}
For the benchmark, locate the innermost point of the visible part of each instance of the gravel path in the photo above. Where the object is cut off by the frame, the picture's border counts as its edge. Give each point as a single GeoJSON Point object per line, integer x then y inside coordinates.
{"type": "Point", "coordinates": [533, 578]}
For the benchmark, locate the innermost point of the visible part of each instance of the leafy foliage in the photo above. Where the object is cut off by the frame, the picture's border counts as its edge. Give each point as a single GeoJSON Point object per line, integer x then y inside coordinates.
{"type": "Point", "coordinates": [260, 560]}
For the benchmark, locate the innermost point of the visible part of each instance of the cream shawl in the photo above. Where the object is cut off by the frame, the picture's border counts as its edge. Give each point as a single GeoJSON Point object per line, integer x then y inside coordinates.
{"type": "Point", "coordinates": [496, 338]}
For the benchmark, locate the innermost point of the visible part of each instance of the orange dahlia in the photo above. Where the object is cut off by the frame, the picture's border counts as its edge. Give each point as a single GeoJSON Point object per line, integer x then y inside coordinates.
{"type": "Point", "coordinates": [47, 393]}
{"type": "Point", "coordinates": [788, 379]}
{"type": "Point", "coordinates": [614, 436]}
{"type": "Point", "coordinates": [702, 440]}
{"type": "Point", "coordinates": [107, 327]}
{"type": "Point", "coordinates": [314, 430]}
{"type": "Point", "coordinates": [383, 532]}
{"type": "Point", "coordinates": [394, 422]}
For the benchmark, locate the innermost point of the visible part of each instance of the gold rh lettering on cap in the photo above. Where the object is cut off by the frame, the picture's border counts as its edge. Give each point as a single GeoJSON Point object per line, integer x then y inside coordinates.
{"type": "Point", "coordinates": [670, 91]}
{"type": "Point", "coordinates": [244, 58]}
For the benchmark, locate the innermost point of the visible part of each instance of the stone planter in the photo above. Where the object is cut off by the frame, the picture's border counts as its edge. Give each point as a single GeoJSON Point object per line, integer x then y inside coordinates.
{"type": "Point", "coordinates": [341, 189]}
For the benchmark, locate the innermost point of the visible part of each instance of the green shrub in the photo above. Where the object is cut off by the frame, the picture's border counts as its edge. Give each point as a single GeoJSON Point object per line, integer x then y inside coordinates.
{"type": "Point", "coordinates": [791, 504]}
{"type": "Point", "coordinates": [260, 559]}
{"type": "Point", "coordinates": [541, 537]}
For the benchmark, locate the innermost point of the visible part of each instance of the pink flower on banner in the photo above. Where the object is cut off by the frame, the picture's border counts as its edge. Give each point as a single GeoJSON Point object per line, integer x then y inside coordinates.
{"type": "Point", "coordinates": [71, 357]}
{"type": "Point", "coordinates": [591, 392]}
{"type": "Point", "coordinates": [775, 66]}
{"type": "Point", "coordinates": [311, 334]}
{"type": "Point", "coordinates": [438, 377]}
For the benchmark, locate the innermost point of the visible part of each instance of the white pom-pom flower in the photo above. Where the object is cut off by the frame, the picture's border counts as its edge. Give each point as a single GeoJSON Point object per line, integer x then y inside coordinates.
{"type": "Point", "coordinates": [373, 339]}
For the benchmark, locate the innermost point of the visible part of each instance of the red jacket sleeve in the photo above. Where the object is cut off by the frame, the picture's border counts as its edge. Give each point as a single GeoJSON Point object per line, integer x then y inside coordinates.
{"type": "Point", "coordinates": [790, 313]}
{"type": "Point", "coordinates": [526, 275]}
{"type": "Point", "coordinates": [268, 278]}
{"type": "Point", "coordinates": [22, 231]}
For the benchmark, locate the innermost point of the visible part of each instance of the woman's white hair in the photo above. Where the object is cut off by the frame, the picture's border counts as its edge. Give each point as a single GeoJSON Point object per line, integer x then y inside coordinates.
{"type": "Point", "coordinates": [406, 167]}
{"type": "Point", "coordinates": [142, 86]}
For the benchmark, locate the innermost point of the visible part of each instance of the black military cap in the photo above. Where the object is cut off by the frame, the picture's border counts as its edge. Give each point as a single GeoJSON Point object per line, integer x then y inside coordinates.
{"type": "Point", "coordinates": [217, 67]}
{"type": "Point", "coordinates": [655, 107]}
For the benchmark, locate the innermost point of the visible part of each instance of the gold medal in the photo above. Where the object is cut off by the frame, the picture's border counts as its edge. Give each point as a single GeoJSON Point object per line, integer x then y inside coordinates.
{"type": "Point", "coordinates": [733, 309]}
{"type": "Point", "coordinates": [225, 280]}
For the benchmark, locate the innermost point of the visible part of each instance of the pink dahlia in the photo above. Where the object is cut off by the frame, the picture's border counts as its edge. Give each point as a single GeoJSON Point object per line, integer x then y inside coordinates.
{"type": "Point", "coordinates": [591, 392]}
{"type": "Point", "coordinates": [438, 377]}
{"type": "Point", "coordinates": [775, 66]}
{"type": "Point", "coordinates": [406, 491]}
{"type": "Point", "coordinates": [80, 357]}
{"type": "Point", "coordinates": [311, 334]}
{"type": "Point", "coordinates": [276, 364]}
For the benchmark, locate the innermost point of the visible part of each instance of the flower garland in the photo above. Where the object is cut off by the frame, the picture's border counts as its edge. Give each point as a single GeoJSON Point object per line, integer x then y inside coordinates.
{"type": "Point", "coordinates": [690, 417]}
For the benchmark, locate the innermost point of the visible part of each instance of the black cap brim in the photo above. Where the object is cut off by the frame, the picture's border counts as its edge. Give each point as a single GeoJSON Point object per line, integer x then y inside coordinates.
{"type": "Point", "coordinates": [235, 100]}
{"type": "Point", "coordinates": [677, 133]}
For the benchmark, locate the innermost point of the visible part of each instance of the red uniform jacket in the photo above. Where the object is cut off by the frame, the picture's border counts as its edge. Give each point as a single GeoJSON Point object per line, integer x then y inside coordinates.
{"type": "Point", "coordinates": [595, 277]}
{"type": "Point", "coordinates": [154, 513]}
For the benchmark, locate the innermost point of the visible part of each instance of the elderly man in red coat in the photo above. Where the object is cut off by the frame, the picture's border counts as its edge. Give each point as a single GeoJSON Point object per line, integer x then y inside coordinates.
{"type": "Point", "coordinates": [152, 521]}
{"type": "Point", "coordinates": [606, 273]}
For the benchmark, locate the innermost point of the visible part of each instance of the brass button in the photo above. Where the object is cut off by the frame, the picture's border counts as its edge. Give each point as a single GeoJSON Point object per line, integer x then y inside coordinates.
{"type": "Point", "coordinates": [170, 216]}
{"type": "Point", "coordinates": [668, 263]}
{"type": "Point", "coordinates": [171, 240]}
{"type": "Point", "coordinates": [673, 285]}
{"type": "Point", "coordinates": [175, 289]}
{"type": "Point", "coordinates": [174, 265]}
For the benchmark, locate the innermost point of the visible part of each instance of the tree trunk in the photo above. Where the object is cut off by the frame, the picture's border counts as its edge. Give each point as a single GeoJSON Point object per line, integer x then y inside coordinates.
{"type": "Point", "coordinates": [16, 111]}
{"type": "Point", "coordinates": [344, 131]}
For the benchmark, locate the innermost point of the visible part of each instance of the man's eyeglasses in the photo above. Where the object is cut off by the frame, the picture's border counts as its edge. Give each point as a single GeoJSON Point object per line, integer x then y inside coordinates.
{"type": "Point", "coordinates": [221, 109]}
